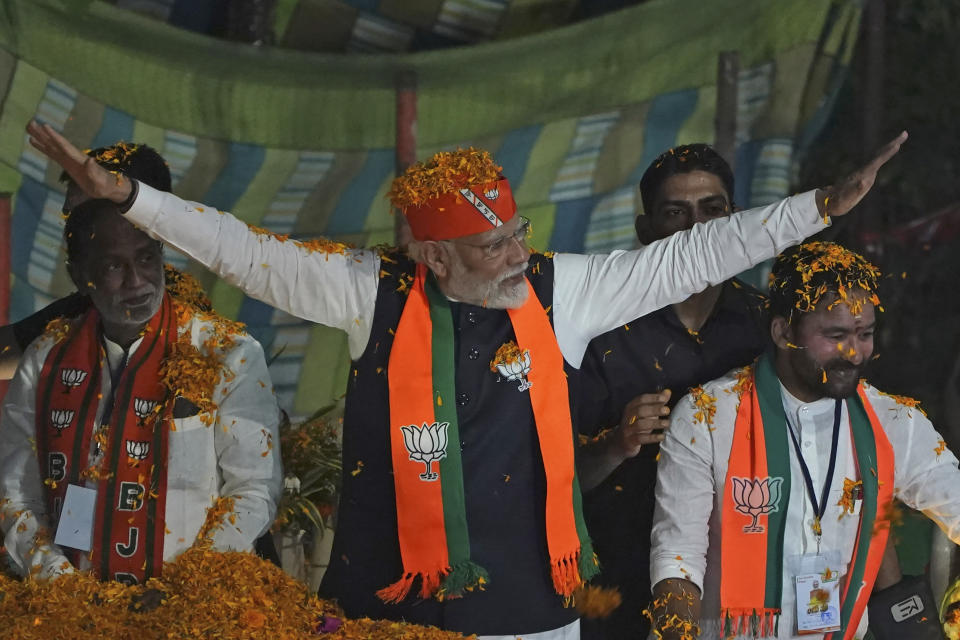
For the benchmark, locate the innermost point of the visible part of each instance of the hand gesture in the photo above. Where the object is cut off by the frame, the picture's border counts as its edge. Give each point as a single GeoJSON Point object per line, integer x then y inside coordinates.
{"type": "Point", "coordinates": [839, 199]}
{"type": "Point", "coordinates": [95, 181]}
{"type": "Point", "coordinates": [643, 422]}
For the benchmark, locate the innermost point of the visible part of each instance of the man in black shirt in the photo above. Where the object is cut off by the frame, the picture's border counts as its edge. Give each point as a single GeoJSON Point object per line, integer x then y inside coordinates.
{"type": "Point", "coordinates": [631, 376]}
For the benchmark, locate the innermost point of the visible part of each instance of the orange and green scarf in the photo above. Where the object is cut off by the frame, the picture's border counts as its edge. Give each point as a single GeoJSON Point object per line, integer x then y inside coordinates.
{"type": "Point", "coordinates": [428, 475]}
{"type": "Point", "coordinates": [131, 478]}
{"type": "Point", "coordinates": [758, 482]}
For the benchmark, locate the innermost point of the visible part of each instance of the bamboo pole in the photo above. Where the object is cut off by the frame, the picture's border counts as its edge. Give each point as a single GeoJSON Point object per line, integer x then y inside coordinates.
{"type": "Point", "coordinates": [725, 121]}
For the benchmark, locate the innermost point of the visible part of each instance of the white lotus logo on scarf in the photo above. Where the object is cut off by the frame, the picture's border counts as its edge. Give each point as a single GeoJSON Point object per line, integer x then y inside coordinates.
{"type": "Point", "coordinates": [756, 498]}
{"type": "Point", "coordinates": [143, 408]}
{"type": "Point", "coordinates": [426, 444]}
{"type": "Point", "coordinates": [72, 378]}
{"type": "Point", "coordinates": [138, 450]}
{"type": "Point", "coordinates": [517, 370]}
{"type": "Point", "coordinates": [61, 419]}
{"type": "Point", "coordinates": [492, 194]}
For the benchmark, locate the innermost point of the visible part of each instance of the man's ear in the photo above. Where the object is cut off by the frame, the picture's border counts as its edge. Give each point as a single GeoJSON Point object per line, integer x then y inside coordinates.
{"type": "Point", "coordinates": [781, 332]}
{"type": "Point", "coordinates": [641, 224]}
{"type": "Point", "coordinates": [434, 255]}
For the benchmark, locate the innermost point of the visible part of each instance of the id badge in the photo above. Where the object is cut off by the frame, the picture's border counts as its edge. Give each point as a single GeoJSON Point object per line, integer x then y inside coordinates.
{"type": "Point", "coordinates": [75, 529]}
{"type": "Point", "coordinates": [817, 583]}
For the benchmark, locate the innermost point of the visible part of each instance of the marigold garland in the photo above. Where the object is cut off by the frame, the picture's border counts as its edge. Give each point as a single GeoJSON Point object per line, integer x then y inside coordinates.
{"type": "Point", "coordinates": [208, 594]}
{"type": "Point", "coordinates": [205, 594]}
{"type": "Point", "coordinates": [184, 287]}
{"type": "Point", "coordinates": [445, 172]}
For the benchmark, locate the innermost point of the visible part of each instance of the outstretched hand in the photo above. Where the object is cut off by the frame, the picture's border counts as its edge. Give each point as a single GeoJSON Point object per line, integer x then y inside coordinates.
{"type": "Point", "coordinates": [95, 181]}
{"type": "Point", "coordinates": [839, 199]}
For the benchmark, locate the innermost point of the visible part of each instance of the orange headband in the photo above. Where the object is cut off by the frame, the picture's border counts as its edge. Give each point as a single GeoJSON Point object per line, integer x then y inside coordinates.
{"type": "Point", "coordinates": [474, 209]}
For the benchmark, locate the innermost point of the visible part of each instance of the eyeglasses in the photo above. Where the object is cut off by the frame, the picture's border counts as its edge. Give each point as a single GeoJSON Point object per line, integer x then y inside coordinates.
{"type": "Point", "coordinates": [496, 248]}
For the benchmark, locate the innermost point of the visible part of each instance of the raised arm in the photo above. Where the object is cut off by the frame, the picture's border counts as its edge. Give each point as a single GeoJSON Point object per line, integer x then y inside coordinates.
{"type": "Point", "coordinates": [317, 281]}
{"type": "Point", "coordinates": [596, 293]}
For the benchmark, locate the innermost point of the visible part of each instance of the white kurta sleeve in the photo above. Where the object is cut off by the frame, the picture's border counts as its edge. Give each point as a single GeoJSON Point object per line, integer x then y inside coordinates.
{"type": "Point", "coordinates": [926, 477]}
{"type": "Point", "coordinates": [596, 293]}
{"type": "Point", "coordinates": [684, 499]}
{"type": "Point", "coordinates": [335, 289]}
{"type": "Point", "coordinates": [28, 537]}
{"type": "Point", "coordinates": [247, 446]}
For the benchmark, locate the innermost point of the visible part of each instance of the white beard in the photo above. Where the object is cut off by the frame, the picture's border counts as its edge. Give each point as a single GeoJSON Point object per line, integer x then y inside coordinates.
{"type": "Point", "coordinates": [465, 286]}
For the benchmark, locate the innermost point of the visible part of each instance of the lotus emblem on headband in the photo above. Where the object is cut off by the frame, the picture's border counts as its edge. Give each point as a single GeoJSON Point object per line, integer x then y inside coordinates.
{"type": "Point", "coordinates": [492, 194]}
{"type": "Point", "coordinates": [426, 444]}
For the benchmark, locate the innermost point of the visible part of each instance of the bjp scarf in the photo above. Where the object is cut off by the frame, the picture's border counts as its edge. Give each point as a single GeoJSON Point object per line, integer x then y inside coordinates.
{"type": "Point", "coordinates": [131, 478]}
{"type": "Point", "coordinates": [755, 503]}
{"type": "Point", "coordinates": [431, 513]}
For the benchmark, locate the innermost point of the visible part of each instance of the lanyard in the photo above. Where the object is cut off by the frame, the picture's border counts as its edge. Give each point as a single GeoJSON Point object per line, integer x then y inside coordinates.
{"type": "Point", "coordinates": [114, 380]}
{"type": "Point", "coordinates": [820, 507]}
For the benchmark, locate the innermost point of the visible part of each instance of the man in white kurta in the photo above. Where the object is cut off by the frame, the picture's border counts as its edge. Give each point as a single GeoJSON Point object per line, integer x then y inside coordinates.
{"type": "Point", "coordinates": [205, 461]}
{"type": "Point", "coordinates": [218, 421]}
{"type": "Point", "coordinates": [819, 357]}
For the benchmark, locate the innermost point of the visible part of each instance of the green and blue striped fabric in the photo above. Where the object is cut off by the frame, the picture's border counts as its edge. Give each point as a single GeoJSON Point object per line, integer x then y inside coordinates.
{"type": "Point", "coordinates": [302, 143]}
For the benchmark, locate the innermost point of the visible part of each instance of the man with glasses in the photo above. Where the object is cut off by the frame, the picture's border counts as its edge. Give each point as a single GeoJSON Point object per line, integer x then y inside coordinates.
{"type": "Point", "coordinates": [460, 505]}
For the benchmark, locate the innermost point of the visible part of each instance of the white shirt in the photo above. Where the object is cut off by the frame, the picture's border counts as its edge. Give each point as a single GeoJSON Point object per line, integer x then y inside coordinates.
{"type": "Point", "coordinates": [204, 462]}
{"type": "Point", "coordinates": [592, 294]}
{"type": "Point", "coordinates": [693, 469]}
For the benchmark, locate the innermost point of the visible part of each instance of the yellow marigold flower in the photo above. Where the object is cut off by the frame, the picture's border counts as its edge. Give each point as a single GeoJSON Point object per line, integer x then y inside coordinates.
{"type": "Point", "coordinates": [904, 401]}
{"type": "Point", "coordinates": [508, 353]}
{"type": "Point", "coordinates": [847, 500]}
{"type": "Point", "coordinates": [705, 403]}
{"type": "Point", "coordinates": [445, 172]}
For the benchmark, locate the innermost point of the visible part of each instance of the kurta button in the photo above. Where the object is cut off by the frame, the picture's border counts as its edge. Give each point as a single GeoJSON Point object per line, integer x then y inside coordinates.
{"type": "Point", "coordinates": [472, 317]}
{"type": "Point", "coordinates": [462, 399]}
{"type": "Point", "coordinates": [474, 353]}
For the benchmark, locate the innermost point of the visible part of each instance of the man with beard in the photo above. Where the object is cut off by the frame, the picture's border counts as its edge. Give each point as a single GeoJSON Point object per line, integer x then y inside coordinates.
{"type": "Point", "coordinates": [125, 424]}
{"type": "Point", "coordinates": [776, 481]}
{"type": "Point", "coordinates": [463, 345]}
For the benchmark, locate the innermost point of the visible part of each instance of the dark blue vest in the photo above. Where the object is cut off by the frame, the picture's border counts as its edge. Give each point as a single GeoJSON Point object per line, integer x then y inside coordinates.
{"type": "Point", "coordinates": [503, 479]}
